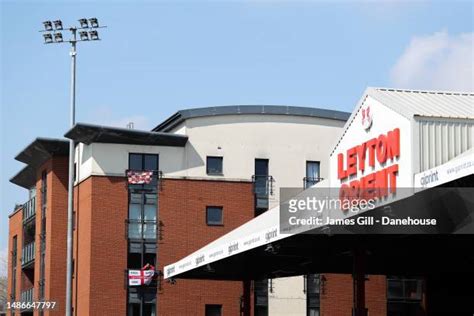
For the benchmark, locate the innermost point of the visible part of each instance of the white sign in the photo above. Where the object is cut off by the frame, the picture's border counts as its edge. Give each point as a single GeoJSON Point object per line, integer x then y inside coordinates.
{"type": "Point", "coordinates": [452, 170]}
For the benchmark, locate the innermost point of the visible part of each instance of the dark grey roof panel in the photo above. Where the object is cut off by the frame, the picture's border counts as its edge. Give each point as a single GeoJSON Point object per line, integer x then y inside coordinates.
{"type": "Point", "coordinates": [42, 149]}
{"type": "Point", "coordinates": [183, 115]}
{"type": "Point", "coordinates": [26, 178]}
{"type": "Point", "coordinates": [88, 133]}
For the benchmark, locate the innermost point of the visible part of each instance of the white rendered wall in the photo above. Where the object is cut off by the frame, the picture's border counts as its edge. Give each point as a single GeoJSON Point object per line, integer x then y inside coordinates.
{"type": "Point", "coordinates": [287, 141]}
{"type": "Point", "coordinates": [100, 159]}
{"type": "Point", "coordinates": [288, 297]}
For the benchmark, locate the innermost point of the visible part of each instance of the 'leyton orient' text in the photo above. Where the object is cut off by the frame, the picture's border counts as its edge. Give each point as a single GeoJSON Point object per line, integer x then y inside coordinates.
{"type": "Point", "coordinates": [384, 148]}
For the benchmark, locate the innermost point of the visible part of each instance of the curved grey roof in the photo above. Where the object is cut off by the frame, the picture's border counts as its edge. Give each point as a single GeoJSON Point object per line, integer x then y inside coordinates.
{"type": "Point", "coordinates": [183, 115]}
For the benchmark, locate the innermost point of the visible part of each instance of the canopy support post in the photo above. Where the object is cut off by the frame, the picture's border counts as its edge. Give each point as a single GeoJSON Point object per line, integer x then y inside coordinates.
{"type": "Point", "coordinates": [246, 298]}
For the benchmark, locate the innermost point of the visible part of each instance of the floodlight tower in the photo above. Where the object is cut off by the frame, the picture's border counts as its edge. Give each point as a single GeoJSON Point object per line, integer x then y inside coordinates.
{"type": "Point", "coordinates": [53, 35]}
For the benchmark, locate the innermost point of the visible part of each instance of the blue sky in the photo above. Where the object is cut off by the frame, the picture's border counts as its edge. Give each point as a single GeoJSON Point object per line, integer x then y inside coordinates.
{"type": "Point", "coordinates": [158, 57]}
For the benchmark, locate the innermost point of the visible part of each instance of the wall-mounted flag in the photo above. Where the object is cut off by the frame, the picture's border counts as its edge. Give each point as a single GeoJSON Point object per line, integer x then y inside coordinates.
{"type": "Point", "coordinates": [139, 177]}
{"type": "Point", "coordinates": [141, 277]}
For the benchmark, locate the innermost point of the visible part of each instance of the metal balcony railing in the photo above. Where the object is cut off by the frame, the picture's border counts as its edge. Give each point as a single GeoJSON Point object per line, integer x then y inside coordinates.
{"type": "Point", "coordinates": [309, 181]}
{"type": "Point", "coordinates": [29, 209]}
{"type": "Point", "coordinates": [28, 254]}
{"type": "Point", "coordinates": [263, 185]}
{"type": "Point", "coordinates": [262, 188]}
{"type": "Point", "coordinates": [27, 296]}
{"type": "Point", "coordinates": [140, 229]}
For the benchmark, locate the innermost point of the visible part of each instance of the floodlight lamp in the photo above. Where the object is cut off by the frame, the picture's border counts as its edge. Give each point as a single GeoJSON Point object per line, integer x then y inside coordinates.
{"type": "Point", "coordinates": [94, 22]}
{"type": "Point", "coordinates": [58, 25]}
{"type": "Point", "coordinates": [48, 26]}
{"type": "Point", "coordinates": [48, 38]}
{"type": "Point", "coordinates": [83, 23]}
{"type": "Point", "coordinates": [58, 37]}
{"type": "Point", "coordinates": [84, 36]}
{"type": "Point", "coordinates": [94, 35]}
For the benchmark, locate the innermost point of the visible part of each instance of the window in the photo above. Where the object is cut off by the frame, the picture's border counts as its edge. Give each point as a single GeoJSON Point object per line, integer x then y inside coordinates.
{"type": "Point", "coordinates": [141, 232]}
{"type": "Point", "coordinates": [312, 173]}
{"type": "Point", "coordinates": [404, 289]}
{"type": "Point", "coordinates": [214, 165]}
{"type": "Point", "coordinates": [14, 259]}
{"type": "Point", "coordinates": [262, 185]}
{"type": "Point", "coordinates": [148, 162]}
{"type": "Point", "coordinates": [214, 216]}
{"type": "Point", "coordinates": [261, 297]}
{"type": "Point", "coordinates": [143, 162]}
{"type": "Point", "coordinates": [142, 213]}
{"type": "Point", "coordinates": [213, 310]}
{"type": "Point", "coordinates": [44, 194]}
{"type": "Point", "coordinates": [312, 286]}
{"type": "Point", "coordinates": [404, 296]}
{"type": "Point", "coordinates": [74, 220]}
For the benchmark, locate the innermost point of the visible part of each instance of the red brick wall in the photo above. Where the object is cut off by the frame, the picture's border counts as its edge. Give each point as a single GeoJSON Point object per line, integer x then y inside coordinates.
{"type": "Point", "coordinates": [82, 247]}
{"type": "Point", "coordinates": [182, 210]}
{"type": "Point", "coordinates": [100, 246]}
{"type": "Point", "coordinates": [336, 295]}
{"type": "Point", "coordinates": [15, 228]}
{"type": "Point", "coordinates": [109, 246]}
{"type": "Point", "coordinates": [56, 225]}
{"type": "Point", "coordinates": [376, 295]}
{"type": "Point", "coordinates": [46, 167]}
{"type": "Point", "coordinates": [56, 234]}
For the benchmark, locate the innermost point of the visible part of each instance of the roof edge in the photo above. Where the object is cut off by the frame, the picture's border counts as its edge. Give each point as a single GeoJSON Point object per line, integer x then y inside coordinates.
{"type": "Point", "coordinates": [40, 140]}
{"type": "Point", "coordinates": [90, 133]}
{"type": "Point", "coordinates": [446, 92]}
{"type": "Point", "coordinates": [182, 115]}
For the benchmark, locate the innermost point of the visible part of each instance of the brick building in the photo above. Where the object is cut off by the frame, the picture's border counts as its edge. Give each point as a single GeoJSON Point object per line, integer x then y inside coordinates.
{"type": "Point", "coordinates": [213, 169]}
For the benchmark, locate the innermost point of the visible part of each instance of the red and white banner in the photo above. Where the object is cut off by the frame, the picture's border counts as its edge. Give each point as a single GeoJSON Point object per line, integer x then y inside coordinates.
{"type": "Point", "coordinates": [141, 277]}
{"type": "Point", "coordinates": [139, 177]}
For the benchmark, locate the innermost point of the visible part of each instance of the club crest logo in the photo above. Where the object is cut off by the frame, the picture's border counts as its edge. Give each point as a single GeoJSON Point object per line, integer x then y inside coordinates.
{"type": "Point", "coordinates": [366, 117]}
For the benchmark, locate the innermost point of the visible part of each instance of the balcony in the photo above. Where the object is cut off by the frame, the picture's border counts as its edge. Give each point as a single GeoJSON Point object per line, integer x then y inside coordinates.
{"type": "Point", "coordinates": [140, 229]}
{"type": "Point", "coordinates": [29, 210]}
{"type": "Point", "coordinates": [262, 188]}
{"type": "Point", "coordinates": [28, 255]}
{"type": "Point", "coordinates": [27, 296]}
{"type": "Point", "coordinates": [309, 182]}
